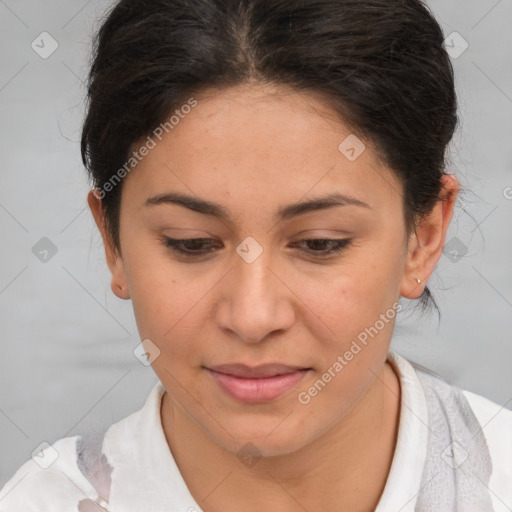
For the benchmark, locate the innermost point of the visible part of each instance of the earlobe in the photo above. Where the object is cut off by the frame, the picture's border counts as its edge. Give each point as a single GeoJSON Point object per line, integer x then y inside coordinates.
{"type": "Point", "coordinates": [426, 244]}
{"type": "Point", "coordinates": [114, 260]}
{"type": "Point", "coordinates": [119, 290]}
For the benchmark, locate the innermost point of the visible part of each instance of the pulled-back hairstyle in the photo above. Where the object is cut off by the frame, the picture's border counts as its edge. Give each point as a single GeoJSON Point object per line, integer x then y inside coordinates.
{"type": "Point", "coordinates": [380, 63]}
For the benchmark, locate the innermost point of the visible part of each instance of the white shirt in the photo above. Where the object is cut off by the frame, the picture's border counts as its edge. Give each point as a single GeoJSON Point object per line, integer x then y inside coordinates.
{"type": "Point", "coordinates": [145, 477]}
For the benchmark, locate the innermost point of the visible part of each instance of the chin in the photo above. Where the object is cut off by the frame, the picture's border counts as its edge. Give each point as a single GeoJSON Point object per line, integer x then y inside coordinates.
{"type": "Point", "coordinates": [264, 440]}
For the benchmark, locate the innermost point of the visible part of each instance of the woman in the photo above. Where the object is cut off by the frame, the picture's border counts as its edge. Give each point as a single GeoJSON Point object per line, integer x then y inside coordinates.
{"type": "Point", "coordinates": [269, 181]}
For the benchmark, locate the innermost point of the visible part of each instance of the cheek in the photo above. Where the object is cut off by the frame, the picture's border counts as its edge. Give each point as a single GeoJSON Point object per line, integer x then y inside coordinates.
{"type": "Point", "coordinates": [357, 313]}
{"type": "Point", "coordinates": [164, 296]}
{"type": "Point", "coordinates": [355, 310]}
{"type": "Point", "coordinates": [351, 297]}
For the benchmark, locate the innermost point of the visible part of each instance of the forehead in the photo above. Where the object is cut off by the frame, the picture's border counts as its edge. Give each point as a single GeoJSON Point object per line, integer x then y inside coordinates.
{"type": "Point", "coordinates": [262, 146]}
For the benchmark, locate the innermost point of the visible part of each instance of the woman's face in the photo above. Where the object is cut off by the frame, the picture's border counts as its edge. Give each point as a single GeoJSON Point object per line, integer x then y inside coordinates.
{"type": "Point", "coordinates": [261, 294]}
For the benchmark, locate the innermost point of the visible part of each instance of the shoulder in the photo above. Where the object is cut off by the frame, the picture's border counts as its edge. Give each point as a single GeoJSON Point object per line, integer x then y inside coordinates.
{"type": "Point", "coordinates": [492, 417]}
{"type": "Point", "coordinates": [487, 421]}
{"type": "Point", "coordinates": [49, 481]}
{"type": "Point", "coordinates": [496, 424]}
{"type": "Point", "coordinates": [76, 474]}
{"type": "Point", "coordinates": [494, 421]}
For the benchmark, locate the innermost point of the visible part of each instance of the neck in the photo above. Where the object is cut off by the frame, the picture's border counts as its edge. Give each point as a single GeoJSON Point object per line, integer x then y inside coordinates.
{"type": "Point", "coordinates": [348, 465]}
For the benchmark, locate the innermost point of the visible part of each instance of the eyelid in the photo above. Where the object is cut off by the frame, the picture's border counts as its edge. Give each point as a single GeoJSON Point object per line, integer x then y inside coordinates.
{"type": "Point", "coordinates": [339, 246]}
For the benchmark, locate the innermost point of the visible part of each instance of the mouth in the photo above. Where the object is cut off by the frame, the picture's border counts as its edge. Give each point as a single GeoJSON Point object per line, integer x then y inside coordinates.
{"type": "Point", "coordinates": [259, 384]}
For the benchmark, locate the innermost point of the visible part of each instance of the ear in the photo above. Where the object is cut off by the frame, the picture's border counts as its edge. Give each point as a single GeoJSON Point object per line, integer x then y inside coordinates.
{"type": "Point", "coordinates": [114, 259]}
{"type": "Point", "coordinates": [427, 243]}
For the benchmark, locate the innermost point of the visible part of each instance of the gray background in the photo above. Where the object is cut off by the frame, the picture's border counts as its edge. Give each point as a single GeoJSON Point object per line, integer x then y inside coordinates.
{"type": "Point", "coordinates": [67, 342]}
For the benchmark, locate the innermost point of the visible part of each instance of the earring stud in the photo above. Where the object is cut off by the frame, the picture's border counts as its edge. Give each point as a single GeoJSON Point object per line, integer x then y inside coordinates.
{"type": "Point", "coordinates": [419, 280]}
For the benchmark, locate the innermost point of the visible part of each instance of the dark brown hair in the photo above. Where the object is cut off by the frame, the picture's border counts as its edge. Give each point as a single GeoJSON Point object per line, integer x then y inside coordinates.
{"type": "Point", "coordinates": [381, 63]}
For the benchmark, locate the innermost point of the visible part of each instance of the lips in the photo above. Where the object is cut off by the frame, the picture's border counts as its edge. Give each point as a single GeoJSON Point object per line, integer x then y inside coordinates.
{"type": "Point", "coordinates": [257, 384]}
{"type": "Point", "coordinates": [255, 372]}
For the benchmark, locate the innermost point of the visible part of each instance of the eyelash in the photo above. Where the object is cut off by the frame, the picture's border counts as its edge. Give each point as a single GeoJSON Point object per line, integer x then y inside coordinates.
{"type": "Point", "coordinates": [172, 243]}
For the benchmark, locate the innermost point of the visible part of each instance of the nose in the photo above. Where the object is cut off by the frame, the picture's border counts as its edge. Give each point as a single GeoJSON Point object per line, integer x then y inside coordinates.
{"type": "Point", "coordinates": [256, 301]}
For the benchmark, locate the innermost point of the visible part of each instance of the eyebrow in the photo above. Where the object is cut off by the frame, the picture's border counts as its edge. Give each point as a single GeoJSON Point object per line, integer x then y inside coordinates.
{"type": "Point", "coordinates": [284, 213]}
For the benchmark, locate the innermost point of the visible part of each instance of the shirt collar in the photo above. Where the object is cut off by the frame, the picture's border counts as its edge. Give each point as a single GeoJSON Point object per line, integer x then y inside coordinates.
{"type": "Point", "coordinates": [404, 479]}
{"type": "Point", "coordinates": [145, 475]}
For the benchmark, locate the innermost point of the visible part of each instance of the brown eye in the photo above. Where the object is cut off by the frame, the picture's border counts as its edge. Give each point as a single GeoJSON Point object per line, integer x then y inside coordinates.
{"type": "Point", "coordinates": [189, 246]}
{"type": "Point", "coordinates": [334, 246]}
